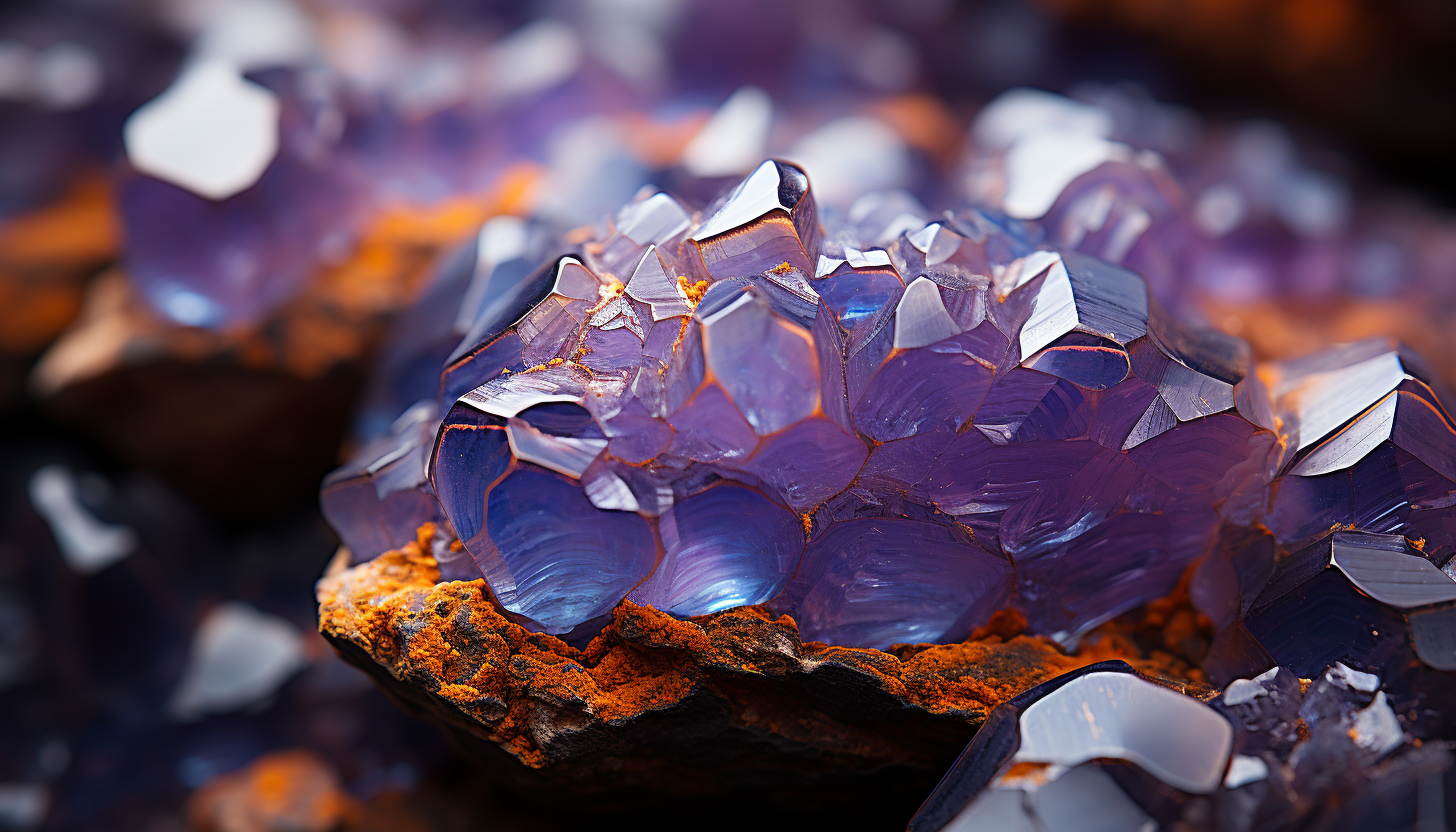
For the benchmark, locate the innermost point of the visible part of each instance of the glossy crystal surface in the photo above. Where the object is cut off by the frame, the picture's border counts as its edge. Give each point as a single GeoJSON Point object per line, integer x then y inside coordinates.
{"type": "Point", "coordinates": [890, 425]}
{"type": "Point", "coordinates": [887, 427]}
{"type": "Point", "coordinates": [381, 497]}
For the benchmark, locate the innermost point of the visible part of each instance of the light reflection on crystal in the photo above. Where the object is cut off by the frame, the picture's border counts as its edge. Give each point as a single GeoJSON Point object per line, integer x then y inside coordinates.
{"type": "Point", "coordinates": [878, 582]}
{"type": "Point", "coordinates": [725, 547]}
{"type": "Point", "coordinates": [1036, 427]}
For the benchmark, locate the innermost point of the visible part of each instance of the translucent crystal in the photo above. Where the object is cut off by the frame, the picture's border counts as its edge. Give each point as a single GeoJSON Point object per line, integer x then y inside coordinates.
{"type": "Point", "coordinates": [895, 427]}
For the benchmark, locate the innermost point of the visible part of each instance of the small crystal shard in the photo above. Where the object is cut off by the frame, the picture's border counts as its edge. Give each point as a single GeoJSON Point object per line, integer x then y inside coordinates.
{"type": "Point", "coordinates": [382, 496]}
{"type": "Point", "coordinates": [1104, 715]}
{"type": "Point", "coordinates": [1380, 566]}
{"type": "Point", "coordinates": [653, 285]}
{"type": "Point", "coordinates": [767, 221]}
{"type": "Point", "coordinates": [920, 317]}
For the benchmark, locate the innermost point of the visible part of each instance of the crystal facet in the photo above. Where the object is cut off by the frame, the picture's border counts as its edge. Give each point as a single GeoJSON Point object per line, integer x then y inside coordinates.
{"type": "Point", "coordinates": [890, 428]}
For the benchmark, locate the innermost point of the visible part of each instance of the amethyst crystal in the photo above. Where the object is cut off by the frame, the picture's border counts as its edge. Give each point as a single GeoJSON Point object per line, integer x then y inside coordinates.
{"type": "Point", "coordinates": [502, 251]}
{"type": "Point", "coordinates": [891, 427]}
{"type": "Point", "coordinates": [1366, 440]}
{"type": "Point", "coordinates": [702, 410]}
{"type": "Point", "coordinates": [378, 500]}
{"type": "Point", "coordinates": [238, 195]}
{"type": "Point", "coordinates": [1368, 600]}
{"type": "Point", "coordinates": [1356, 524]}
{"type": "Point", "coordinates": [1369, 618]}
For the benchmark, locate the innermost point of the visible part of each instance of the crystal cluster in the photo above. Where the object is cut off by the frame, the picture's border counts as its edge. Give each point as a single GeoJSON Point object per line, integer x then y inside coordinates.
{"type": "Point", "coordinates": [1335, 641]}
{"type": "Point", "coordinates": [699, 412]}
{"type": "Point", "coordinates": [887, 424]}
{"type": "Point", "coordinates": [1354, 528]}
{"type": "Point", "coordinates": [1268, 752]}
{"type": "Point", "coordinates": [1231, 215]}
{"type": "Point", "coordinates": [890, 424]}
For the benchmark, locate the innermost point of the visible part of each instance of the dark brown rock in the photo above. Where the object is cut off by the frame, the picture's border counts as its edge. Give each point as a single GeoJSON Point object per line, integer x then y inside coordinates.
{"type": "Point", "coordinates": [725, 704]}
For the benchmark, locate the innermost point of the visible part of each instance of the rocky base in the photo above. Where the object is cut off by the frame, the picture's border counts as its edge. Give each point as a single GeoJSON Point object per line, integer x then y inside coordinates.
{"type": "Point", "coordinates": [713, 706]}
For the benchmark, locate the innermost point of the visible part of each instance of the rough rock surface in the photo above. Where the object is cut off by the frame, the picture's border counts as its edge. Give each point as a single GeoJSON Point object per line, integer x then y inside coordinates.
{"type": "Point", "coordinates": [715, 704]}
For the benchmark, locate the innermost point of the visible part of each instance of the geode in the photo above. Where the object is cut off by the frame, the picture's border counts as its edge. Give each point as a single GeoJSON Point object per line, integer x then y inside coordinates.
{"type": "Point", "coordinates": [699, 413]}
{"type": "Point", "coordinates": [753, 444]}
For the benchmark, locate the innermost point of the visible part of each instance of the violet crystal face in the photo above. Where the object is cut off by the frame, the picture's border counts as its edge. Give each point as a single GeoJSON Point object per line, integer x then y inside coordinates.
{"type": "Point", "coordinates": [889, 428]}
{"type": "Point", "coordinates": [1368, 442]}
{"type": "Point", "coordinates": [1352, 560]}
{"type": "Point", "coordinates": [382, 496]}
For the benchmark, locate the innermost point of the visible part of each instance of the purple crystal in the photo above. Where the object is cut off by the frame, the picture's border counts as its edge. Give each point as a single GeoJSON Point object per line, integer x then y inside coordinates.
{"type": "Point", "coordinates": [552, 557]}
{"type": "Point", "coordinates": [426, 336]}
{"type": "Point", "coordinates": [1325, 620]}
{"type": "Point", "coordinates": [1227, 216]}
{"type": "Point", "coordinates": [378, 500]}
{"type": "Point", "coordinates": [896, 442]}
{"type": "Point", "coordinates": [1367, 413]}
{"type": "Point", "coordinates": [887, 580]}
{"type": "Point", "coordinates": [726, 546]}
{"type": "Point", "coordinates": [1365, 446]}
{"type": "Point", "coordinates": [767, 221]}
{"type": "Point", "coordinates": [935, 439]}
{"type": "Point", "coordinates": [216, 255]}
{"type": "Point", "coordinates": [507, 467]}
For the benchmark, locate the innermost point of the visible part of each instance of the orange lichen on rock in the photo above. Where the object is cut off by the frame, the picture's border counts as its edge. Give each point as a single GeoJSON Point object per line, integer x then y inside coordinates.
{"type": "Point", "coordinates": [545, 701]}
{"type": "Point", "coordinates": [1165, 638]}
{"type": "Point", "coordinates": [81, 227]}
{"type": "Point", "coordinates": [336, 320]}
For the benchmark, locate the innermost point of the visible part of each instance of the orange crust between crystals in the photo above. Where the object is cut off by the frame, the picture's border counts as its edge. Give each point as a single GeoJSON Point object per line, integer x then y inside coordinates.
{"type": "Point", "coordinates": [561, 710]}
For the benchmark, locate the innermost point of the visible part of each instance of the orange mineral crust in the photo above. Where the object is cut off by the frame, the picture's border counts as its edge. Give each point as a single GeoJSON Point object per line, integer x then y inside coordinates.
{"type": "Point", "coordinates": [47, 257]}
{"type": "Point", "coordinates": [286, 791]}
{"type": "Point", "coordinates": [683, 705]}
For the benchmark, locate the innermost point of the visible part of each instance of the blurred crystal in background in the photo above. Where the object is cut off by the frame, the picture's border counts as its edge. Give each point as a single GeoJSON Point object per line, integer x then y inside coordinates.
{"type": "Point", "coordinates": [240, 239]}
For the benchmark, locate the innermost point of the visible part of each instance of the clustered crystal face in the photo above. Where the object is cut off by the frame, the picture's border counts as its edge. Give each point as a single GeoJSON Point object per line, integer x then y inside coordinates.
{"type": "Point", "coordinates": [891, 425]}
{"type": "Point", "coordinates": [887, 426]}
{"type": "Point", "coordinates": [1340, 558]}
{"type": "Point", "coordinates": [1335, 646]}
{"type": "Point", "coordinates": [1339, 718]}
{"type": "Point", "coordinates": [890, 443]}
